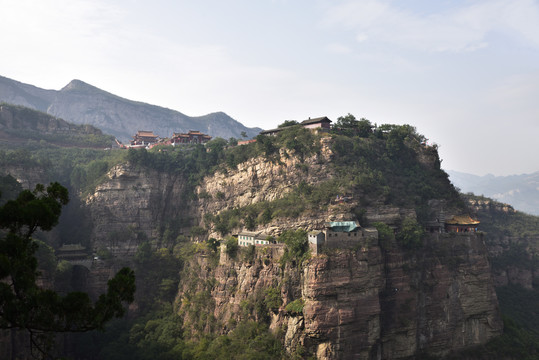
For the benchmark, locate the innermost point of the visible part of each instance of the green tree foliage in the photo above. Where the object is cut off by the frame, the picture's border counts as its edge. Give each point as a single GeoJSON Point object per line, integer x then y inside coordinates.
{"type": "Point", "coordinates": [213, 244]}
{"type": "Point", "coordinates": [9, 188]}
{"type": "Point", "coordinates": [410, 234]}
{"type": "Point", "coordinates": [298, 139]}
{"type": "Point", "coordinates": [385, 234]}
{"type": "Point", "coordinates": [158, 275]}
{"type": "Point", "coordinates": [297, 246]}
{"type": "Point", "coordinates": [394, 166]}
{"type": "Point", "coordinates": [295, 307]}
{"type": "Point", "coordinates": [232, 246]}
{"type": "Point", "coordinates": [273, 298]}
{"type": "Point", "coordinates": [288, 123]}
{"type": "Point", "coordinates": [24, 305]}
{"type": "Point", "coordinates": [348, 125]}
{"type": "Point", "coordinates": [266, 146]}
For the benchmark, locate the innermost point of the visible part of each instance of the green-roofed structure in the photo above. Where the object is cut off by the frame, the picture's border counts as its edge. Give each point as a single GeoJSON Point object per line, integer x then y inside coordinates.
{"type": "Point", "coordinates": [341, 234]}
{"type": "Point", "coordinates": [343, 226]}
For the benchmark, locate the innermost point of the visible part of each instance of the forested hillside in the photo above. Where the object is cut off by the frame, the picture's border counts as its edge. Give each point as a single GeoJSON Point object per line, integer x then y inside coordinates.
{"type": "Point", "coordinates": [174, 213]}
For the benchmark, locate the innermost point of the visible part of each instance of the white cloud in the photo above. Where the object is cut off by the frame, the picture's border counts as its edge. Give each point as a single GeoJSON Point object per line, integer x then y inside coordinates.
{"type": "Point", "coordinates": [338, 48]}
{"type": "Point", "coordinates": [461, 29]}
{"type": "Point", "coordinates": [361, 37]}
{"type": "Point", "coordinates": [520, 92]}
{"type": "Point", "coordinates": [55, 37]}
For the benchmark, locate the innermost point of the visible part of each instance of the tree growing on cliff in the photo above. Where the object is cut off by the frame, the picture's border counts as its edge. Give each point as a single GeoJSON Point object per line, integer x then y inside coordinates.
{"type": "Point", "coordinates": [410, 234]}
{"type": "Point", "coordinates": [26, 306]}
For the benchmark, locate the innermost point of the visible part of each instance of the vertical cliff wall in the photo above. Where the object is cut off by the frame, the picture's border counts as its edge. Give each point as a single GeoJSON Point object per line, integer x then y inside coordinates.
{"type": "Point", "coordinates": [364, 303]}
{"type": "Point", "coordinates": [133, 201]}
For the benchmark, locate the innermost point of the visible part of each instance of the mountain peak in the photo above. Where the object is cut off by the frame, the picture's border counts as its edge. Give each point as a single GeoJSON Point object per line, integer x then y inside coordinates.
{"type": "Point", "coordinates": [76, 84]}
{"type": "Point", "coordinates": [82, 103]}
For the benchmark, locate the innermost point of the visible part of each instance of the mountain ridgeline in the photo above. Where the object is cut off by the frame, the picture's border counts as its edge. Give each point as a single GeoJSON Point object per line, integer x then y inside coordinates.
{"type": "Point", "coordinates": [81, 103]}
{"type": "Point", "coordinates": [21, 126]}
{"type": "Point", "coordinates": [390, 290]}
{"type": "Point", "coordinates": [521, 191]}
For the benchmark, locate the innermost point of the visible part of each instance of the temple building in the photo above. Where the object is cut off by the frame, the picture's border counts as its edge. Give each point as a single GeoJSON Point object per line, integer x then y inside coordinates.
{"type": "Point", "coordinates": [72, 252]}
{"type": "Point", "coordinates": [461, 223]}
{"type": "Point", "coordinates": [192, 137]}
{"type": "Point", "coordinates": [144, 138]}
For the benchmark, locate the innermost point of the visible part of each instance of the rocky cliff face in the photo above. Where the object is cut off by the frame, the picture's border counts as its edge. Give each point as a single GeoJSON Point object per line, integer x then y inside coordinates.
{"type": "Point", "coordinates": [28, 178]}
{"type": "Point", "coordinates": [360, 304]}
{"type": "Point", "coordinates": [133, 201]}
{"type": "Point", "coordinates": [258, 180]}
{"type": "Point", "coordinates": [512, 242]}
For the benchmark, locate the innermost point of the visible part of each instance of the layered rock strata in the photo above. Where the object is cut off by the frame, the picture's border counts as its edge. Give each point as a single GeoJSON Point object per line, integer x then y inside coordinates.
{"type": "Point", "coordinates": [367, 303]}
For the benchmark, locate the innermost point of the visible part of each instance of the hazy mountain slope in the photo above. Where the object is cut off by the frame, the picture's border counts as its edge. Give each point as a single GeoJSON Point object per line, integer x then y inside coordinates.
{"type": "Point", "coordinates": [81, 103]}
{"type": "Point", "coordinates": [20, 126]}
{"type": "Point", "coordinates": [15, 92]}
{"type": "Point", "coordinates": [521, 191]}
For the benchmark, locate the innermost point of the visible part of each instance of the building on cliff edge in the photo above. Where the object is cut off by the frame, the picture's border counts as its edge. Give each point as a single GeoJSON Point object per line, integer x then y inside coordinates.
{"type": "Point", "coordinates": [144, 138]}
{"type": "Point", "coordinates": [440, 222]}
{"type": "Point", "coordinates": [322, 124]}
{"type": "Point", "coordinates": [247, 238]}
{"type": "Point", "coordinates": [192, 137]}
{"type": "Point", "coordinates": [341, 234]}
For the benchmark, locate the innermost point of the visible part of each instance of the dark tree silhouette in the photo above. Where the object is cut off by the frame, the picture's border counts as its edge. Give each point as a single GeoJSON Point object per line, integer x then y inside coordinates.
{"type": "Point", "coordinates": [43, 312]}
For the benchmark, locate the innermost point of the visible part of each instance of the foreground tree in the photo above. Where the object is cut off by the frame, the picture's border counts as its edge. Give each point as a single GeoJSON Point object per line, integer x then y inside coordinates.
{"type": "Point", "coordinates": [43, 312]}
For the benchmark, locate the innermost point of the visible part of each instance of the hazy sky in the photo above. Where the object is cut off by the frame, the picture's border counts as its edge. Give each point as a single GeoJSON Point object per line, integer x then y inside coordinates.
{"type": "Point", "coordinates": [465, 73]}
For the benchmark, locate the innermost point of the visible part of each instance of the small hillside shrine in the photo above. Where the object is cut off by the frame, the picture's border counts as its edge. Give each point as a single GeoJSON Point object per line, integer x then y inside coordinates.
{"type": "Point", "coordinates": [342, 230]}
{"type": "Point", "coordinates": [144, 138]}
{"type": "Point", "coordinates": [461, 223]}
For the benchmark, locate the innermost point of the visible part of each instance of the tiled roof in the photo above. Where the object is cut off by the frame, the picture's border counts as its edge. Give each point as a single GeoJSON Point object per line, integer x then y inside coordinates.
{"type": "Point", "coordinates": [343, 226]}
{"type": "Point", "coordinates": [145, 133]}
{"type": "Point", "coordinates": [257, 235]}
{"type": "Point", "coordinates": [462, 220]}
{"type": "Point", "coordinates": [315, 120]}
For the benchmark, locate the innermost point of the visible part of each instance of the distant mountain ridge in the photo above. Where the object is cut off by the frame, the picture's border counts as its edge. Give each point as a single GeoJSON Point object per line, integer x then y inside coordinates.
{"type": "Point", "coordinates": [20, 125]}
{"type": "Point", "coordinates": [82, 103]}
{"type": "Point", "coordinates": [520, 191]}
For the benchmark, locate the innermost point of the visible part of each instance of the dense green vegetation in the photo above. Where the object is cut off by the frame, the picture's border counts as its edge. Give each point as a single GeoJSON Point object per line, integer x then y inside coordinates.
{"type": "Point", "coordinates": [379, 165]}
{"type": "Point", "coordinates": [390, 164]}
{"type": "Point", "coordinates": [184, 328]}
{"type": "Point", "coordinates": [39, 311]}
{"type": "Point", "coordinates": [297, 246]}
{"type": "Point", "coordinates": [78, 169]}
{"type": "Point", "coordinates": [386, 164]}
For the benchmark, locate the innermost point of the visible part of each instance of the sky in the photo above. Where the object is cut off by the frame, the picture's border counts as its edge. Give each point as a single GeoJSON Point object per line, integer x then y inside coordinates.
{"type": "Point", "coordinates": [465, 73]}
